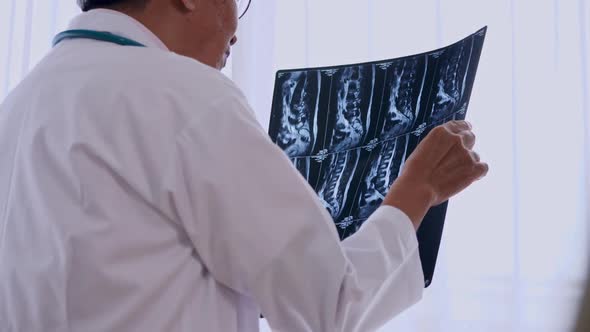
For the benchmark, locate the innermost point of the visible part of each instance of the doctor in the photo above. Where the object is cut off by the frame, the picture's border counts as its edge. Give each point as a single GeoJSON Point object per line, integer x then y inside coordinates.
{"type": "Point", "coordinates": [139, 193]}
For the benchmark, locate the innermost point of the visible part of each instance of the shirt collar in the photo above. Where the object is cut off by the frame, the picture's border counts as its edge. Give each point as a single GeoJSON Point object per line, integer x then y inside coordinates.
{"type": "Point", "coordinates": [117, 23]}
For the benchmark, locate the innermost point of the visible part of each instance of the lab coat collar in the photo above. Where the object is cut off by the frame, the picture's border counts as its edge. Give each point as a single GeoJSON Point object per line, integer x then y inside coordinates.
{"type": "Point", "coordinates": [117, 23]}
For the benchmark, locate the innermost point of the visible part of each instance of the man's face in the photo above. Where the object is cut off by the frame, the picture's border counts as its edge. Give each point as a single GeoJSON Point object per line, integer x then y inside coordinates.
{"type": "Point", "coordinates": [213, 26]}
{"type": "Point", "coordinates": [227, 11]}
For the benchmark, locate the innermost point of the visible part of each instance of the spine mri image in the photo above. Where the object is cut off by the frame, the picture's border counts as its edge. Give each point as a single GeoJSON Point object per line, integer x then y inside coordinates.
{"type": "Point", "coordinates": [349, 129]}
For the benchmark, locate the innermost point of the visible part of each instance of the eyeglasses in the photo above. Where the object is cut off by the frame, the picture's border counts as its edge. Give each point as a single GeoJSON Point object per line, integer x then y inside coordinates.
{"type": "Point", "coordinates": [243, 6]}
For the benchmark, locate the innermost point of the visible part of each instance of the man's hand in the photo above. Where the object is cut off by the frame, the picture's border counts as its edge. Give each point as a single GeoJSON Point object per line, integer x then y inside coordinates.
{"type": "Point", "coordinates": [442, 165]}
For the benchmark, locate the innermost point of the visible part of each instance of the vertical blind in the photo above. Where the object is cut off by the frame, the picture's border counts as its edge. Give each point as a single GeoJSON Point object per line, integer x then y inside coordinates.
{"type": "Point", "coordinates": [26, 30]}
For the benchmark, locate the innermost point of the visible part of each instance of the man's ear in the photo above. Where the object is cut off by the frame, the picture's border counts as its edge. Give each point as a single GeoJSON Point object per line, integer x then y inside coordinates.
{"type": "Point", "coordinates": [189, 5]}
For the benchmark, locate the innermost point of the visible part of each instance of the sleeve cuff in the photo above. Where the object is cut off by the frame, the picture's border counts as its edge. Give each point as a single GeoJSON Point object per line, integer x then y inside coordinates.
{"type": "Point", "coordinates": [398, 223]}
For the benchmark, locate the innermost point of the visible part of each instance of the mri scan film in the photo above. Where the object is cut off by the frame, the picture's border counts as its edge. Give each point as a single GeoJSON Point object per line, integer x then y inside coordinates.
{"type": "Point", "coordinates": [349, 129]}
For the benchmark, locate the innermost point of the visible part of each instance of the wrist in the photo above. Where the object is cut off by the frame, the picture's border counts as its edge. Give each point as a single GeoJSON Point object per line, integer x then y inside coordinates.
{"type": "Point", "coordinates": [414, 198]}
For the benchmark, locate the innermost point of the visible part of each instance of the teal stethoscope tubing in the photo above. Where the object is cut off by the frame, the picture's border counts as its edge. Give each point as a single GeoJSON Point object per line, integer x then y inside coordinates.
{"type": "Point", "coordinates": [95, 35]}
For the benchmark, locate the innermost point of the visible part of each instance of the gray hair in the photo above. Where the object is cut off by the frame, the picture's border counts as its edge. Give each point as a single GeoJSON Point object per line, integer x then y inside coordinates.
{"type": "Point", "coordinates": [87, 5]}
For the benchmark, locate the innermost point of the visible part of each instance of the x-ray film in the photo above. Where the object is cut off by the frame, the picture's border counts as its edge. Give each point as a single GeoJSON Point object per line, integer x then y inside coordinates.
{"type": "Point", "coordinates": [349, 129]}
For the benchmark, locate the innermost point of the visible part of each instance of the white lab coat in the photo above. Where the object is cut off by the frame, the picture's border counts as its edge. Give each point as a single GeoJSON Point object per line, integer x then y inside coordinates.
{"type": "Point", "coordinates": [139, 193]}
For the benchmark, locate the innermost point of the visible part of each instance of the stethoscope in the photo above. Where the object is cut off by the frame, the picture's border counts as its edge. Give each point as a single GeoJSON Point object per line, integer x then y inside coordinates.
{"type": "Point", "coordinates": [95, 35]}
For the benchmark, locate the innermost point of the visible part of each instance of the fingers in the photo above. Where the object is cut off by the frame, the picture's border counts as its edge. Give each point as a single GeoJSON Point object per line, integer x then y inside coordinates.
{"type": "Point", "coordinates": [460, 178]}
{"type": "Point", "coordinates": [463, 129]}
{"type": "Point", "coordinates": [457, 126]}
{"type": "Point", "coordinates": [468, 139]}
{"type": "Point", "coordinates": [445, 159]}
{"type": "Point", "coordinates": [444, 138]}
{"type": "Point", "coordinates": [474, 168]}
{"type": "Point", "coordinates": [455, 132]}
{"type": "Point", "coordinates": [460, 157]}
{"type": "Point", "coordinates": [480, 170]}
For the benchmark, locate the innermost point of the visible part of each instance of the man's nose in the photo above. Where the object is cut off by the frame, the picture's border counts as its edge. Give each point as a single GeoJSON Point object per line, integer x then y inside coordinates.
{"type": "Point", "coordinates": [233, 41]}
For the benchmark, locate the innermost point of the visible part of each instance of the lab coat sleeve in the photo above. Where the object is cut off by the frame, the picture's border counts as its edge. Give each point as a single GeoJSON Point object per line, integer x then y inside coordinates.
{"type": "Point", "coordinates": [260, 230]}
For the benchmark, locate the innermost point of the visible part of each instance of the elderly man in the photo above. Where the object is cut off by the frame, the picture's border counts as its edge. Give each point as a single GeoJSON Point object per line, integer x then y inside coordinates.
{"type": "Point", "coordinates": [138, 192]}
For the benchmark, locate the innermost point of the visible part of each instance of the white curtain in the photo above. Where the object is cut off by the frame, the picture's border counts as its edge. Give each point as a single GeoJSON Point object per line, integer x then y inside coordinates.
{"type": "Point", "coordinates": [515, 246]}
{"type": "Point", "coordinates": [26, 30]}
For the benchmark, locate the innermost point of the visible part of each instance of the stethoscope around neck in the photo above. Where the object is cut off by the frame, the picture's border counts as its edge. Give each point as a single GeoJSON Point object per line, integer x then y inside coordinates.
{"type": "Point", "coordinates": [104, 36]}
